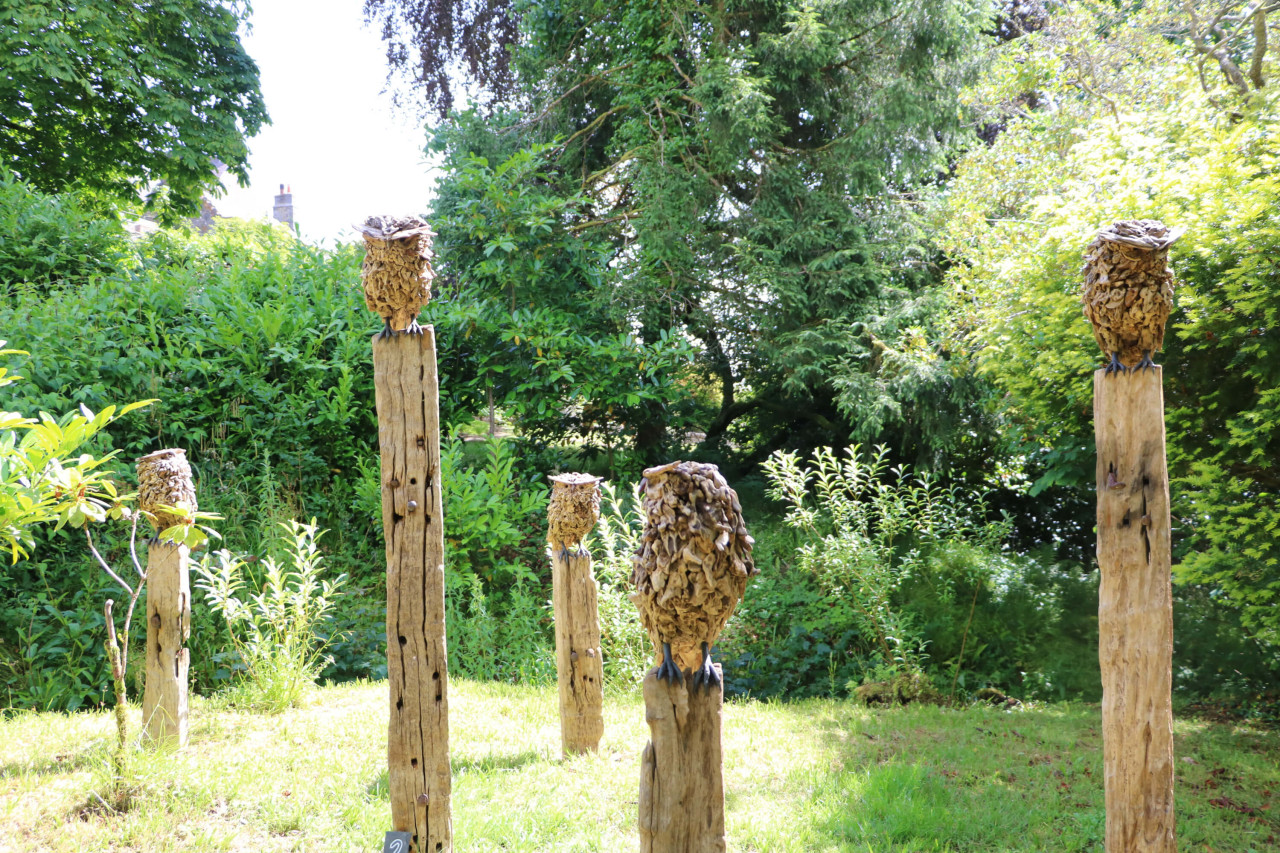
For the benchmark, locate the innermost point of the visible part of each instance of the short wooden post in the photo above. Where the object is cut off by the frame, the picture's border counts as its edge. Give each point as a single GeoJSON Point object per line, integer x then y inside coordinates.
{"type": "Point", "coordinates": [166, 493]}
{"type": "Point", "coordinates": [681, 777]}
{"type": "Point", "coordinates": [164, 700]}
{"type": "Point", "coordinates": [1135, 611]}
{"type": "Point", "coordinates": [572, 512]}
{"type": "Point", "coordinates": [407, 396]}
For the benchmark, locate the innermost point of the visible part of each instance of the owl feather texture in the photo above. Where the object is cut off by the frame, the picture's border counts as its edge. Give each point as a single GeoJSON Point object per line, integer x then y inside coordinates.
{"type": "Point", "coordinates": [165, 490]}
{"type": "Point", "coordinates": [692, 566]}
{"type": "Point", "coordinates": [573, 510]}
{"type": "Point", "coordinates": [396, 272]}
{"type": "Point", "coordinates": [1128, 290]}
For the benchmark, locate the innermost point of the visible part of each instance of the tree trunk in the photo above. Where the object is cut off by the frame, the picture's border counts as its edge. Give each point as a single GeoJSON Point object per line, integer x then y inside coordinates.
{"type": "Point", "coordinates": [578, 663]}
{"type": "Point", "coordinates": [164, 700]}
{"type": "Point", "coordinates": [404, 372]}
{"type": "Point", "coordinates": [1135, 611]}
{"type": "Point", "coordinates": [681, 769]}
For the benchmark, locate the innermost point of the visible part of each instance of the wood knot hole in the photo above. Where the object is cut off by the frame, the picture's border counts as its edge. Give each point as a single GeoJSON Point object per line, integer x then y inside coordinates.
{"type": "Point", "coordinates": [402, 639]}
{"type": "Point", "coordinates": [422, 442]}
{"type": "Point", "coordinates": [394, 483]}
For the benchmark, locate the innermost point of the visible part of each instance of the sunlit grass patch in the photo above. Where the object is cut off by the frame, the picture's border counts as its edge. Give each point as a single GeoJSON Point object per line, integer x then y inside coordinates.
{"type": "Point", "coordinates": [818, 775]}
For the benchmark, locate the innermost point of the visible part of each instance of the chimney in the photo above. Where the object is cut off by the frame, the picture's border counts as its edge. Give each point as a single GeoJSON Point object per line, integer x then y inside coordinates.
{"type": "Point", "coordinates": [283, 212]}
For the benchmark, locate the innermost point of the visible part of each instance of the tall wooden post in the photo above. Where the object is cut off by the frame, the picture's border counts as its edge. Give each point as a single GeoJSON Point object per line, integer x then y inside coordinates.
{"type": "Point", "coordinates": [167, 495]}
{"type": "Point", "coordinates": [396, 273]}
{"type": "Point", "coordinates": [1135, 611]}
{"type": "Point", "coordinates": [681, 768]}
{"type": "Point", "coordinates": [572, 512]}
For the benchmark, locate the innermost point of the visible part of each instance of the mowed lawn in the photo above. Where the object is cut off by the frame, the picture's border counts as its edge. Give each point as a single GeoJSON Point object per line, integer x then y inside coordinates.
{"type": "Point", "coordinates": [807, 776]}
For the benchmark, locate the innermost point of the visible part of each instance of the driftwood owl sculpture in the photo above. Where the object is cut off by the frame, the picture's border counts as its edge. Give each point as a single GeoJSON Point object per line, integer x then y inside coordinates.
{"type": "Point", "coordinates": [1128, 290]}
{"type": "Point", "coordinates": [572, 511]}
{"type": "Point", "coordinates": [165, 490]}
{"type": "Point", "coordinates": [397, 270]}
{"type": "Point", "coordinates": [692, 565]}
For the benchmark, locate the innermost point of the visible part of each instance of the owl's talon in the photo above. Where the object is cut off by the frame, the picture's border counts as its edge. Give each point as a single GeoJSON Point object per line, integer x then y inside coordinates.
{"type": "Point", "coordinates": [414, 328]}
{"type": "Point", "coordinates": [667, 670]}
{"type": "Point", "coordinates": [706, 676]}
{"type": "Point", "coordinates": [1146, 363]}
{"type": "Point", "coordinates": [1115, 366]}
{"type": "Point", "coordinates": [386, 330]}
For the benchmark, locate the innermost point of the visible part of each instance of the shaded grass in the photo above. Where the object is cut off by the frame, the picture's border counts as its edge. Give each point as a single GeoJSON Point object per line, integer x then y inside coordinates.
{"type": "Point", "coordinates": [819, 775]}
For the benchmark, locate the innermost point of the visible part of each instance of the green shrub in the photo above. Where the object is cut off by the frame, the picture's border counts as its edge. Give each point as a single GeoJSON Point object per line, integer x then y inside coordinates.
{"type": "Point", "coordinates": [50, 240]}
{"type": "Point", "coordinates": [275, 630]}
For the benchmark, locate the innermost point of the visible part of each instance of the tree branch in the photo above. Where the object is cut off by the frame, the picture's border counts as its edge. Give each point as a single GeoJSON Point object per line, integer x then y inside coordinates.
{"type": "Point", "coordinates": [1259, 47]}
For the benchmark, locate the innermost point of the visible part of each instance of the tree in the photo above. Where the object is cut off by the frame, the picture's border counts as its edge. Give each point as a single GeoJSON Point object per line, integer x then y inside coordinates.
{"type": "Point", "coordinates": [1129, 127]}
{"type": "Point", "coordinates": [114, 97]}
{"type": "Point", "coordinates": [435, 43]}
{"type": "Point", "coordinates": [516, 308]}
{"type": "Point", "coordinates": [756, 171]}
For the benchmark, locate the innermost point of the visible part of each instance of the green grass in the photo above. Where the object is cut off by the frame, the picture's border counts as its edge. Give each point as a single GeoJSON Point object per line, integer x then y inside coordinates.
{"type": "Point", "coordinates": [818, 775]}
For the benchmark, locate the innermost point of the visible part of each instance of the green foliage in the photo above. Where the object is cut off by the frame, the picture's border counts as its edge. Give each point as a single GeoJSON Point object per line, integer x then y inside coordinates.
{"type": "Point", "coordinates": [50, 240]}
{"type": "Point", "coordinates": [257, 349]}
{"type": "Point", "coordinates": [111, 98]}
{"type": "Point", "coordinates": [743, 177]}
{"type": "Point", "coordinates": [274, 629]}
{"type": "Point", "coordinates": [865, 532]}
{"type": "Point", "coordinates": [1023, 209]}
{"type": "Point", "coordinates": [56, 661]}
{"type": "Point", "coordinates": [497, 587]}
{"type": "Point", "coordinates": [519, 327]}
{"type": "Point", "coordinates": [40, 479]}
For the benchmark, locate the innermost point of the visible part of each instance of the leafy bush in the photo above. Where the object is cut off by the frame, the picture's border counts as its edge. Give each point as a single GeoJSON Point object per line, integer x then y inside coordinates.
{"type": "Point", "coordinates": [275, 631]}
{"type": "Point", "coordinates": [55, 661]}
{"type": "Point", "coordinates": [50, 240]}
{"type": "Point", "coordinates": [866, 533]}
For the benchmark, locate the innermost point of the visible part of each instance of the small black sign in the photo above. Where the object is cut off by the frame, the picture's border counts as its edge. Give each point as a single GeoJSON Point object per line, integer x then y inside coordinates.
{"type": "Point", "coordinates": [396, 842]}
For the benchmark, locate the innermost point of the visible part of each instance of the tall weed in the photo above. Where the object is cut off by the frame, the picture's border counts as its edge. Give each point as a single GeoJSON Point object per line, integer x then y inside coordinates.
{"type": "Point", "coordinates": [865, 529]}
{"type": "Point", "coordinates": [624, 643]}
{"type": "Point", "coordinates": [275, 630]}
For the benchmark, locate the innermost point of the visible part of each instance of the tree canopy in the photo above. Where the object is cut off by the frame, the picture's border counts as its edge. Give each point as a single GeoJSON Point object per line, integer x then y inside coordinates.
{"type": "Point", "coordinates": [112, 98]}
{"type": "Point", "coordinates": [753, 175]}
{"type": "Point", "coordinates": [1110, 115]}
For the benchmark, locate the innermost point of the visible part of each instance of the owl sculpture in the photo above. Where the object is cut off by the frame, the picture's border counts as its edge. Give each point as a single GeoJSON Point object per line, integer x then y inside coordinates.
{"type": "Point", "coordinates": [692, 565]}
{"type": "Point", "coordinates": [1128, 290]}
{"type": "Point", "coordinates": [165, 490]}
{"type": "Point", "coordinates": [397, 271]}
{"type": "Point", "coordinates": [572, 511]}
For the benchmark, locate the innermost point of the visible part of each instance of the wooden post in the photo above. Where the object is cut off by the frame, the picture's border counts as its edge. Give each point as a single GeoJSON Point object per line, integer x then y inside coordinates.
{"type": "Point", "coordinates": [681, 781]}
{"type": "Point", "coordinates": [573, 510]}
{"type": "Point", "coordinates": [396, 276]}
{"type": "Point", "coordinates": [404, 375]}
{"type": "Point", "coordinates": [167, 495]}
{"type": "Point", "coordinates": [1135, 611]}
{"type": "Point", "coordinates": [164, 699]}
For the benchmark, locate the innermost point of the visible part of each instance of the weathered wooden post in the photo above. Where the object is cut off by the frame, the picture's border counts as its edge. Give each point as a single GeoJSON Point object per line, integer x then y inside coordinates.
{"type": "Point", "coordinates": [1128, 294]}
{"type": "Point", "coordinates": [571, 513]}
{"type": "Point", "coordinates": [690, 572]}
{"type": "Point", "coordinates": [396, 275]}
{"type": "Point", "coordinates": [166, 493]}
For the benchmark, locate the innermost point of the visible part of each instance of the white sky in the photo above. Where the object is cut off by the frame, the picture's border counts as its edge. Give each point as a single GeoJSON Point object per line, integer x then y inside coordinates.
{"type": "Point", "coordinates": [334, 138]}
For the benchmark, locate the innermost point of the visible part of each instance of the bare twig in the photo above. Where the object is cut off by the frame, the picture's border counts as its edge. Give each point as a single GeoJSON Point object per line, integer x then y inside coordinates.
{"type": "Point", "coordinates": [106, 566]}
